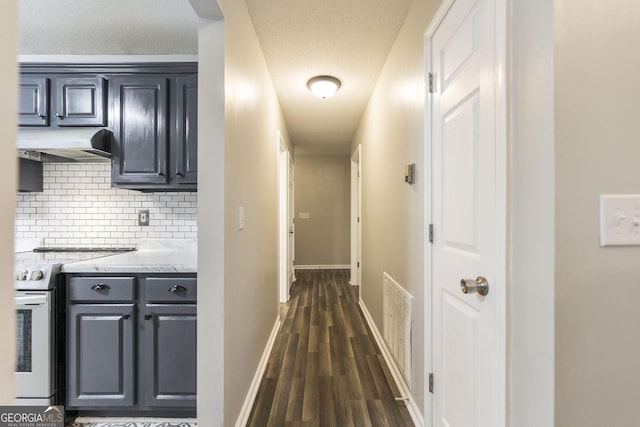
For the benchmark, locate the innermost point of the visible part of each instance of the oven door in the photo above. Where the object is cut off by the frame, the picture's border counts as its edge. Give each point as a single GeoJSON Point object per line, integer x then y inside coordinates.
{"type": "Point", "coordinates": [34, 372]}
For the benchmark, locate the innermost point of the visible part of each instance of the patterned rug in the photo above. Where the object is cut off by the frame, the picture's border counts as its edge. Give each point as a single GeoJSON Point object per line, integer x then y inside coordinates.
{"type": "Point", "coordinates": [84, 422]}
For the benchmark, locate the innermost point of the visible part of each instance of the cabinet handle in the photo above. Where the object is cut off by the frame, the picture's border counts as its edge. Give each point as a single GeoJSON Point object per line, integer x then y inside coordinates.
{"type": "Point", "coordinates": [42, 116]}
{"type": "Point", "coordinates": [59, 116]}
{"type": "Point", "coordinates": [148, 316]}
{"type": "Point", "coordinates": [126, 316]}
{"type": "Point", "coordinates": [101, 287]}
{"type": "Point", "coordinates": [177, 289]}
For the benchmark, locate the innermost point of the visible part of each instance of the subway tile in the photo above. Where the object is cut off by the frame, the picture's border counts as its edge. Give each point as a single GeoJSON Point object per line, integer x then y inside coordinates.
{"type": "Point", "coordinates": [78, 206]}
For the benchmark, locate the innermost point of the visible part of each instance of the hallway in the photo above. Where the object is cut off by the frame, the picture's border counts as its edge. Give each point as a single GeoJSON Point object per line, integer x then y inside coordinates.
{"type": "Point", "coordinates": [325, 368]}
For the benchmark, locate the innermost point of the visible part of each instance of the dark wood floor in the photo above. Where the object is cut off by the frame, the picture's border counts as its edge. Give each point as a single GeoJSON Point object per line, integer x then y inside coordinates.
{"type": "Point", "coordinates": [325, 368]}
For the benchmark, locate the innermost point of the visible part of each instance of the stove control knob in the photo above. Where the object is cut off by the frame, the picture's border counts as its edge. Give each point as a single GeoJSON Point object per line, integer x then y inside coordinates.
{"type": "Point", "coordinates": [22, 275]}
{"type": "Point", "coordinates": [36, 275]}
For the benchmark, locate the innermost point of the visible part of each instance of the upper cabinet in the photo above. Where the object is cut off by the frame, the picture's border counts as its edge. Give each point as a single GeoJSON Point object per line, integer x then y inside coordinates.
{"type": "Point", "coordinates": [33, 98]}
{"type": "Point", "coordinates": [140, 131]}
{"type": "Point", "coordinates": [186, 128]}
{"type": "Point", "coordinates": [79, 101]}
{"type": "Point", "coordinates": [155, 131]}
{"type": "Point", "coordinates": [61, 100]}
{"type": "Point", "coordinates": [151, 109]}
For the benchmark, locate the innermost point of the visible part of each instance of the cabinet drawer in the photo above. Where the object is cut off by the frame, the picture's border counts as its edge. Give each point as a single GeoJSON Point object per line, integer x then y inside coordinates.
{"type": "Point", "coordinates": [168, 290]}
{"type": "Point", "coordinates": [99, 289]}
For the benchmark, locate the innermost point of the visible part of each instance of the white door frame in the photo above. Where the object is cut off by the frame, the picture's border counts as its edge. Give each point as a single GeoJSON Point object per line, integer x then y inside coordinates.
{"type": "Point", "coordinates": [283, 219]}
{"type": "Point", "coordinates": [501, 174]}
{"type": "Point", "coordinates": [356, 226]}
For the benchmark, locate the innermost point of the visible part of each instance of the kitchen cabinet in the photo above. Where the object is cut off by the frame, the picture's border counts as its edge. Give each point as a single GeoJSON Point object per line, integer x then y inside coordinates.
{"type": "Point", "coordinates": [151, 109]}
{"type": "Point", "coordinates": [101, 355]}
{"type": "Point", "coordinates": [170, 342]}
{"type": "Point", "coordinates": [131, 344]}
{"type": "Point", "coordinates": [62, 100]}
{"type": "Point", "coordinates": [140, 130]}
{"type": "Point", "coordinates": [155, 132]}
{"type": "Point", "coordinates": [79, 101]}
{"type": "Point", "coordinates": [33, 101]}
{"type": "Point", "coordinates": [186, 138]}
{"type": "Point", "coordinates": [101, 341]}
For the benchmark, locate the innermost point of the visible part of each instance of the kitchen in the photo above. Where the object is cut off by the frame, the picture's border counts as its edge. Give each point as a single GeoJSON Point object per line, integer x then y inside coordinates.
{"type": "Point", "coordinates": [79, 214]}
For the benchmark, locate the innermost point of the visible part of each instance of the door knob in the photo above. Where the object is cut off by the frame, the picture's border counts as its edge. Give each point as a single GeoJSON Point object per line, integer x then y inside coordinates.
{"type": "Point", "coordinates": [470, 286]}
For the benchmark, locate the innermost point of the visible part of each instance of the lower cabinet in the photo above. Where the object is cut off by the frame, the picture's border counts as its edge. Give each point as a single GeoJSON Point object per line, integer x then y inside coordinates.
{"type": "Point", "coordinates": [131, 344]}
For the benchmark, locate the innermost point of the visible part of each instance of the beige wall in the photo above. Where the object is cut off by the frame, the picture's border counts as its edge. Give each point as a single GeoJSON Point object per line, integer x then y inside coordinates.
{"type": "Point", "coordinates": [252, 118]}
{"type": "Point", "coordinates": [8, 113]}
{"type": "Point", "coordinates": [323, 189]}
{"type": "Point", "coordinates": [211, 259]}
{"type": "Point", "coordinates": [597, 151]}
{"type": "Point", "coordinates": [392, 135]}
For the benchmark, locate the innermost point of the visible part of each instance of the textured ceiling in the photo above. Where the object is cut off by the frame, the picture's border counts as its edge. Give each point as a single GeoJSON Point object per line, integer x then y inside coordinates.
{"type": "Point", "coordinates": [108, 27]}
{"type": "Point", "coordinates": [349, 39]}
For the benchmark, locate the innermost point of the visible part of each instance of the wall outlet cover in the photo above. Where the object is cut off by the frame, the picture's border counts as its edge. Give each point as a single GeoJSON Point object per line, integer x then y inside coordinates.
{"type": "Point", "coordinates": [143, 217]}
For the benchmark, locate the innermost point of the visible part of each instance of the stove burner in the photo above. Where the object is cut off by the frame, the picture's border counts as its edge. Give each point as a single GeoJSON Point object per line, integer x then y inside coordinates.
{"type": "Point", "coordinates": [81, 249]}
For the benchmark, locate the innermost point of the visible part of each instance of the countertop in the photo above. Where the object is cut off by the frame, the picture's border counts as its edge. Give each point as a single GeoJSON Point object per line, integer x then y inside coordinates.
{"type": "Point", "coordinates": [153, 256]}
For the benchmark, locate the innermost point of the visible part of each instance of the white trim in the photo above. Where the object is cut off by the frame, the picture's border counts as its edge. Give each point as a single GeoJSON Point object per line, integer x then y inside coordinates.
{"type": "Point", "coordinates": [438, 17]}
{"type": "Point", "coordinates": [414, 411]}
{"type": "Point", "coordinates": [501, 180]}
{"type": "Point", "coordinates": [324, 267]}
{"type": "Point", "coordinates": [105, 59]}
{"type": "Point", "coordinates": [243, 417]}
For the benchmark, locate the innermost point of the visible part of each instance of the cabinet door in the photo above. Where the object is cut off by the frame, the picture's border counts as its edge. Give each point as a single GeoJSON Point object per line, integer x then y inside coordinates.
{"type": "Point", "coordinates": [33, 103]}
{"type": "Point", "coordinates": [100, 355]}
{"type": "Point", "coordinates": [169, 366]}
{"type": "Point", "coordinates": [80, 101]}
{"type": "Point", "coordinates": [186, 140]}
{"type": "Point", "coordinates": [139, 110]}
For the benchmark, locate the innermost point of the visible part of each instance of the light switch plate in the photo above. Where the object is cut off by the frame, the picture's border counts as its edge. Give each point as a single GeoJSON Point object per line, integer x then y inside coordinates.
{"type": "Point", "coordinates": [619, 220]}
{"type": "Point", "coordinates": [241, 218]}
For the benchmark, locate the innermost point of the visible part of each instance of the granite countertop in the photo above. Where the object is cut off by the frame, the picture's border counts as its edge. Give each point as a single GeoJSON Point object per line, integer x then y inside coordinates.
{"type": "Point", "coordinates": [152, 256]}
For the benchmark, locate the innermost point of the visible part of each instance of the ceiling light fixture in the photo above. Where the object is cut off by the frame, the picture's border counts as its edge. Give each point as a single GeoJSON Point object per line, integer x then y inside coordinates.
{"type": "Point", "coordinates": [323, 86]}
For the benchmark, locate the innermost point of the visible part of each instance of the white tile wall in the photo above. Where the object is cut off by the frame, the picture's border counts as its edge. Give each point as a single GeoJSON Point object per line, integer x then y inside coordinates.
{"type": "Point", "coordinates": [78, 207]}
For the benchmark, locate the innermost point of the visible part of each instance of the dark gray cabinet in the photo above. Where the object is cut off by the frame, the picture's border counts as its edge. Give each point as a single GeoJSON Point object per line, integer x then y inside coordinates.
{"type": "Point", "coordinates": [131, 344]}
{"type": "Point", "coordinates": [151, 109]}
{"type": "Point", "coordinates": [169, 359]}
{"type": "Point", "coordinates": [101, 355]}
{"type": "Point", "coordinates": [140, 130]}
{"type": "Point", "coordinates": [186, 128]}
{"type": "Point", "coordinates": [80, 101]}
{"type": "Point", "coordinates": [170, 362]}
{"type": "Point", "coordinates": [33, 101]}
{"type": "Point", "coordinates": [60, 100]}
{"type": "Point", "coordinates": [155, 129]}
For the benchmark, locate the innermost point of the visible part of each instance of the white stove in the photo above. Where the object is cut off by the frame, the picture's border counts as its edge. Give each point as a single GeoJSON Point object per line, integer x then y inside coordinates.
{"type": "Point", "coordinates": [38, 269]}
{"type": "Point", "coordinates": [36, 275]}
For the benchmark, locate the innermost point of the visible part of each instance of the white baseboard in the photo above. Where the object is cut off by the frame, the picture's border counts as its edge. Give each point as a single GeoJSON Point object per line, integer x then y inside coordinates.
{"type": "Point", "coordinates": [243, 417]}
{"type": "Point", "coordinates": [414, 411]}
{"type": "Point", "coordinates": [323, 267]}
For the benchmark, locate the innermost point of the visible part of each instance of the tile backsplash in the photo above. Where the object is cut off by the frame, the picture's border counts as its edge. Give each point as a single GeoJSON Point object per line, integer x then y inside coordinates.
{"type": "Point", "coordinates": [78, 207]}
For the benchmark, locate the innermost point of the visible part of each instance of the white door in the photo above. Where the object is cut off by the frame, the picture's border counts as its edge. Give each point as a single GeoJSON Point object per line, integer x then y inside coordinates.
{"type": "Point", "coordinates": [355, 218]}
{"type": "Point", "coordinates": [291, 215]}
{"type": "Point", "coordinates": [468, 196]}
{"type": "Point", "coordinates": [285, 220]}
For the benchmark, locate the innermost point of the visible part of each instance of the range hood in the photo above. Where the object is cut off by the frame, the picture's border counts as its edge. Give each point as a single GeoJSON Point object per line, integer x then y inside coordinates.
{"type": "Point", "coordinates": [79, 144]}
